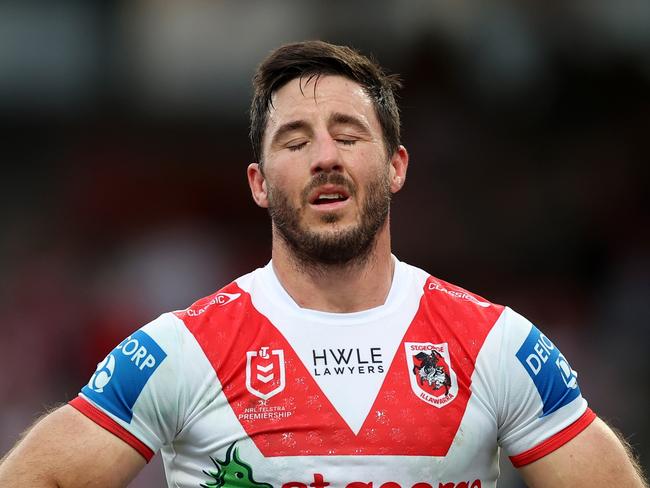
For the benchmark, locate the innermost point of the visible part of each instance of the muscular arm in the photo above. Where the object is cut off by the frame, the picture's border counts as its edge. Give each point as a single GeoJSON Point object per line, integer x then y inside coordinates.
{"type": "Point", "coordinates": [594, 458]}
{"type": "Point", "coordinates": [66, 450]}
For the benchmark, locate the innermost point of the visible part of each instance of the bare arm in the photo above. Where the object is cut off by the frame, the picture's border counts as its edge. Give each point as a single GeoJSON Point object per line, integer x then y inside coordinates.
{"type": "Point", "coordinates": [66, 450]}
{"type": "Point", "coordinates": [594, 458]}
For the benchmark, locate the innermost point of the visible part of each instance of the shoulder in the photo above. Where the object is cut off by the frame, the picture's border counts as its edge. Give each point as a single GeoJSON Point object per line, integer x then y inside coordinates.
{"type": "Point", "coordinates": [211, 303]}
{"type": "Point", "coordinates": [228, 299]}
{"type": "Point", "coordinates": [452, 302]}
{"type": "Point", "coordinates": [437, 289]}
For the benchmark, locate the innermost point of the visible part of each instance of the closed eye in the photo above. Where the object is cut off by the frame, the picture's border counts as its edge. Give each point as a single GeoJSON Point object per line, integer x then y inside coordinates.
{"type": "Point", "coordinates": [296, 147]}
{"type": "Point", "coordinates": [347, 142]}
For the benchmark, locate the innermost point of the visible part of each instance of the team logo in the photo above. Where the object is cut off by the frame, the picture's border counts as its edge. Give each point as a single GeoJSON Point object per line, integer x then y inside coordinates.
{"type": "Point", "coordinates": [432, 378]}
{"type": "Point", "coordinates": [265, 372]}
{"type": "Point", "coordinates": [103, 374]}
{"type": "Point", "coordinates": [232, 473]}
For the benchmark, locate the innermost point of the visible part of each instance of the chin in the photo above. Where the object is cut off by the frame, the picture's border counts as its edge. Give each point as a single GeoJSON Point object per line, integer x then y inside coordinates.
{"type": "Point", "coordinates": [331, 227]}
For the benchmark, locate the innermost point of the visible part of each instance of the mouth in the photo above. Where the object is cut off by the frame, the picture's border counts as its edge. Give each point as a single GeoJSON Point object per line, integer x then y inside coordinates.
{"type": "Point", "coordinates": [329, 197]}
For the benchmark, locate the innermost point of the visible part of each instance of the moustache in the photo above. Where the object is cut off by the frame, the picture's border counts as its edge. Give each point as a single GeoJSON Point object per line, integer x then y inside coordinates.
{"type": "Point", "coordinates": [321, 179]}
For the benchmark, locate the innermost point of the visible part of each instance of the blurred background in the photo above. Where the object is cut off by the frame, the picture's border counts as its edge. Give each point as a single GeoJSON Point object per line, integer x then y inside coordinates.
{"type": "Point", "coordinates": [124, 146]}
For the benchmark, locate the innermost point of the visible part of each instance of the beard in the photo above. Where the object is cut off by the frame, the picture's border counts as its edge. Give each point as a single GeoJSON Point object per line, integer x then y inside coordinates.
{"type": "Point", "coordinates": [335, 247]}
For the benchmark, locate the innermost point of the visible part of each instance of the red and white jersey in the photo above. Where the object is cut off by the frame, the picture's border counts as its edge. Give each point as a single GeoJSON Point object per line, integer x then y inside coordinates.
{"type": "Point", "coordinates": [245, 388]}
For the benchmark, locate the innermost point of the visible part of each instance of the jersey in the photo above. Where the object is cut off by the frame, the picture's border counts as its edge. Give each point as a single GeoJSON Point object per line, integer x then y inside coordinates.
{"type": "Point", "coordinates": [246, 388]}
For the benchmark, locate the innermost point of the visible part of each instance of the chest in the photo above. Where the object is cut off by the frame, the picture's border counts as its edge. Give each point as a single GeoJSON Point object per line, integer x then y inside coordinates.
{"type": "Point", "coordinates": [296, 438]}
{"type": "Point", "coordinates": [389, 402]}
{"type": "Point", "coordinates": [343, 410]}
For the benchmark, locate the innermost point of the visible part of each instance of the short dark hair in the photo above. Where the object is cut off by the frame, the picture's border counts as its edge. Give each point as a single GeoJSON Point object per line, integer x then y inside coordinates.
{"type": "Point", "coordinates": [315, 58]}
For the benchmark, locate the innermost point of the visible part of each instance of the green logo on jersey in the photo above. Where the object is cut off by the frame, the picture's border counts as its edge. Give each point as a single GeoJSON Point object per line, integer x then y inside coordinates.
{"type": "Point", "coordinates": [232, 473]}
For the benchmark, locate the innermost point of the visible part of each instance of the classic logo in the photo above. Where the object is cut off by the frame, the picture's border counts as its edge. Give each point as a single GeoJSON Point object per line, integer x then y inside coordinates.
{"type": "Point", "coordinates": [463, 295]}
{"type": "Point", "coordinates": [220, 299]}
{"type": "Point", "coordinates": [265, 375]}
{"type": "Point", "coordinates": [432, 378]}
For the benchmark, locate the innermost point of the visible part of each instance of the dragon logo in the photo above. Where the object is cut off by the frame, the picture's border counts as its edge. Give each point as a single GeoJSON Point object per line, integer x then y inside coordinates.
{"type": "Point", "coordinates": [428, 370]}
{"type": "Point", "coordinates": [432, 379]}
{"type": "Point", "coordinates": [232, 473]}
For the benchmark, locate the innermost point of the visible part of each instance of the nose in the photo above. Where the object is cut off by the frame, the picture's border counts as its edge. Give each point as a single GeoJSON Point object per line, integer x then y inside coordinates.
{"type": "Point", "coordinates": [325, 156]}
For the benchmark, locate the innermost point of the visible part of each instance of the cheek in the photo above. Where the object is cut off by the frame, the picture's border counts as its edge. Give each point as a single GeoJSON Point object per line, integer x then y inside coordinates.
{"type": "Point", "coordinates": [374, 171]}
{"type": "Point", "coordinates": [286, 169]}
{"type": "Point", "coordinates": [286, 186]}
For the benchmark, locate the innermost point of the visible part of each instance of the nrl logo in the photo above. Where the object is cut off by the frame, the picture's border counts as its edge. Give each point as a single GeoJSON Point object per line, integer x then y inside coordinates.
{"type": "Point", "coordinates": [265, 372]}
{"type": "Point", "coordinates": [432, 379]}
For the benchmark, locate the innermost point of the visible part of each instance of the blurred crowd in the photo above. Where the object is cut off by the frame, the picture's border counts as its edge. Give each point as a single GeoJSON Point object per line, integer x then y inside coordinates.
{"type": "Point", "coordinates": [124, 148]}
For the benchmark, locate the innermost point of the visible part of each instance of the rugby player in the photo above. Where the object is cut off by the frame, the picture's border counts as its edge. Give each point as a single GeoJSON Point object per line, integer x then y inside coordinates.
{"type": "Point", "coordinates": [336, 364]}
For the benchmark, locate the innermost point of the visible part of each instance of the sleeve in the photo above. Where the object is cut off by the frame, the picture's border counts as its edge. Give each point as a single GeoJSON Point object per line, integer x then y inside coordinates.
{"type": "Point", "coordinates": [139, 390]}
{"type": "Point", "coordinates": [540, 406]}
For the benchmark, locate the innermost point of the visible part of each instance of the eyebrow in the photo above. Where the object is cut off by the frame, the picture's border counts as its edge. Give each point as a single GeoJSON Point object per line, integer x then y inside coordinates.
{"type": "Point", "coordinates": [289, 127]}
{"type": "Point", "coordinates": [346, 119]}
{"type": "Point", "coordinates": [337, 118]}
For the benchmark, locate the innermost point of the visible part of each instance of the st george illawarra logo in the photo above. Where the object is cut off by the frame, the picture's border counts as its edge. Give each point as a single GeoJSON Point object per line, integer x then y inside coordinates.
{"type": "Point", "coordinates": [265, 376]}
{"type": "Point", "coordinates": [433, 380]}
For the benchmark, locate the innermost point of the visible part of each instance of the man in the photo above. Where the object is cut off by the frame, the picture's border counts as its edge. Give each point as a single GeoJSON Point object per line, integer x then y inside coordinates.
{"type": "Point", "coordinates": [336, 364]}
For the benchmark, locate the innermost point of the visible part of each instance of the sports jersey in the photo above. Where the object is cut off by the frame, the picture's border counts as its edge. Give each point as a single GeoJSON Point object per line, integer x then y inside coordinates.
{"type": "Point", "coordinates": [246, 388]}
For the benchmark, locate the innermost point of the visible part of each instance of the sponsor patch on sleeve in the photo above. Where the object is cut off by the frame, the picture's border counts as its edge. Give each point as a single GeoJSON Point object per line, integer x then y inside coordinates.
{"type": "Point", "coordinates": [554, 379]}
{"type": "Point", "coordinates": [121, 376]}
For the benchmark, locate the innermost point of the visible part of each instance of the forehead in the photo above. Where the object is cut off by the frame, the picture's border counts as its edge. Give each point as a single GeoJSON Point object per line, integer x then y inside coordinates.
{"type": "Point", "coordinates": [308, 99]}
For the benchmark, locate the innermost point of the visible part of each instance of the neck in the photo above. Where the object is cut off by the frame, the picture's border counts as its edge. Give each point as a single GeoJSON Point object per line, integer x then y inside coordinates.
{"type": "Point", "coordinates": [352, 287]}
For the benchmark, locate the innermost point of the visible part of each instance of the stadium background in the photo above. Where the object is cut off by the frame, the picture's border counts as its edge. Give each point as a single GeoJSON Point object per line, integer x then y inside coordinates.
{"type": "Point", "coordinates": [124, 147]}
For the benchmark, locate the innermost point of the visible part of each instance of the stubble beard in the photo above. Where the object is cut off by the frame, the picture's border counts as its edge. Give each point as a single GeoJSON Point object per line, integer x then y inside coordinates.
{"type": "Point", "coordinates": [334, 247]}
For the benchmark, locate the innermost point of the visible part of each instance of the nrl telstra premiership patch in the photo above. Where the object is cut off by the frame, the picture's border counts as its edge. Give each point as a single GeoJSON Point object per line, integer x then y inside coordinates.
{"type": "Point", "coordinates": [121, 376]}
{"type": "Point", "coordinates": [554, 379]}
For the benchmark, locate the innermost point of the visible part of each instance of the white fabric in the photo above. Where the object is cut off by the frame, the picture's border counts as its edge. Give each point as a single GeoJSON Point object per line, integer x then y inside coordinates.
{"type": "Point", "coordinates": [183, 411]}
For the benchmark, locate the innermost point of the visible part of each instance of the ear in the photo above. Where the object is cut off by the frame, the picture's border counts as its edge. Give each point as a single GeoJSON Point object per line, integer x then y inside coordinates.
{"type": "Point", "coordinates": [257, 184]}
{"type": "Point", "coordinates": [398, 166]}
